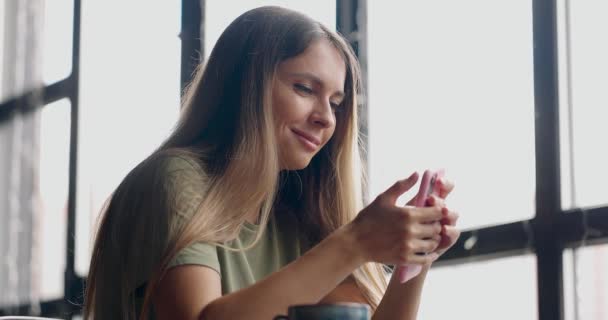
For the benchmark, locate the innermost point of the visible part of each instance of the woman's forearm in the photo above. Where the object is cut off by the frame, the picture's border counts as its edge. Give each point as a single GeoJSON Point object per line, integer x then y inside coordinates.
{"type": "Point", "coordinates": [401, 301]}
{"type": "Point", "coordinates": [304, 281]}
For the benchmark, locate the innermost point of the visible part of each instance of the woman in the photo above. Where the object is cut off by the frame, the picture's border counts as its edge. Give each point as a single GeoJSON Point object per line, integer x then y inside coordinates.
{"type": "Point", "coordinates": [254, 202]}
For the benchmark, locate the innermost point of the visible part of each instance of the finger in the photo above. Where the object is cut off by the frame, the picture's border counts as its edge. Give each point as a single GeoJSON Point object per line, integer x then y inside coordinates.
{"type": "Point", "coordinates": [444, 187]}
{"type": "Point", "coordinates": [452, 233]}
{"type": "Point", "coordinates": [427, 230]}
{"type": "Point", "coordinates": [437, 238]}
{"type": "Point", "coordinates": [423, 247]}
{"type": "Point", "coordinates": [449, 217]}
{"type": "Point", "coordinates": [450, 236]}
{"type": "Point", "coordinates": [427, 214]}
{"type": "Point", "coordinates": [426, 259]}
{"type": "Point", "coordinates": [399, 188]}
{"type": "Point", "coordinates": [412, 201]}
{"type": "Point", "coordinates": [452, 217]}
{"type": "Point", "coordinates": [434, 201]}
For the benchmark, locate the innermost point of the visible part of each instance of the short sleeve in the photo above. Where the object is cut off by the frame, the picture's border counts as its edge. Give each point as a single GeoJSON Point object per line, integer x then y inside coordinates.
{"type": "Point", "coordinates": [199, 253]}
{"type": "Point", "coordinates": [186, 184]}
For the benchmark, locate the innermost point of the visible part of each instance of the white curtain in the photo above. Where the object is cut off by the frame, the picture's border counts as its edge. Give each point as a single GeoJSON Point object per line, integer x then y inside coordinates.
{"type": "Point", "coordinates": [20, 50]}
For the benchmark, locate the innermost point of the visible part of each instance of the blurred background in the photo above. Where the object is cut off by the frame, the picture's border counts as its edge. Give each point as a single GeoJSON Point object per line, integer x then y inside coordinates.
{"type": "Point", "coordinates": [510, 97]}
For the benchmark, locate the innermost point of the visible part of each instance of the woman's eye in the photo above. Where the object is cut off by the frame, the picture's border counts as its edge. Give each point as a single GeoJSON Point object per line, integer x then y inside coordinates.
{"type": "Point", "coordinates": [303, 88]}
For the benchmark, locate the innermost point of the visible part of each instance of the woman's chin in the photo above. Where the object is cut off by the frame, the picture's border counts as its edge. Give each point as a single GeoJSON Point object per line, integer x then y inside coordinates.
{"type": "Point", "coordinates": [296, 164]}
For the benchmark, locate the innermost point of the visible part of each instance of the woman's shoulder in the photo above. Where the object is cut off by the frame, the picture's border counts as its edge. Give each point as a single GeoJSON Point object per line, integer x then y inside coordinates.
{"type": "Point", "coordinates": [172, 160]}
{"type": "Point", "coordinates": [176, 166]}
{"type": "Point", "coordinates": [184, 179]}
{"type": "Point", "coordinates": [168, 174]}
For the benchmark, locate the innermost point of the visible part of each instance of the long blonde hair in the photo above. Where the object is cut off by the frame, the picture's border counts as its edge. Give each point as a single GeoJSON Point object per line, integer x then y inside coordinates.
{"type": "Point", "coordinates": [227, 125]}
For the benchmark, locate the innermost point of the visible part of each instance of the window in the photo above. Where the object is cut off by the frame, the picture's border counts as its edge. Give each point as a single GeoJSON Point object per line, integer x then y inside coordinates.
{"type": "Point", "coordinates": [496, 289]}
{"type": "Point", "coordinates": [2, 32]}
{"type": "Point", "coordinates": [121, 123]}
{"type": "Point", "coordinates": [57, 39]}
{"type": "Point", "coordinates": [583, 100]}
{"type": "Point", "coordinates": [451, 86]}
{"type": "Point", "coordinates": [466, 66]}
{"type": "Point", "coordinates": [582, 70]}
{"type": "Point", "coordinates": [54, 174]}
{"type": "Point", "coordinates": [586, 283]}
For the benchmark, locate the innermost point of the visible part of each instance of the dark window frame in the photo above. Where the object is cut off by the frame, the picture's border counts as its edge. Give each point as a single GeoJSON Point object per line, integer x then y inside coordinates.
{"type": "Point", "coordinates": [551, 231]}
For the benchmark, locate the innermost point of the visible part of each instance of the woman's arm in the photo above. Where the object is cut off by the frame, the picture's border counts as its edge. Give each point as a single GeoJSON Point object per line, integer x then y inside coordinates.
{"type": "Point", "coordinates": [192, 293]}
{"type": "Point", "coordinates": [347, 291]}
{"type": "Point", "coordinates": [400, 301]}
{"type": "Point", "coordinates": [304, 281]}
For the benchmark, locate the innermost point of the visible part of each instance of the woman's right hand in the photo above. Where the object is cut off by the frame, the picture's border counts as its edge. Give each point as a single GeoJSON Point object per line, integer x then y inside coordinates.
{"type": "Point", "coordinates": [391, 234]}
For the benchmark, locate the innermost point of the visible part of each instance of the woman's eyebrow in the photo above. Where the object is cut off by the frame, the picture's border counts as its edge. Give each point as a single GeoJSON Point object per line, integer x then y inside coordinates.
{"type": "Point", "coordinates": [315, 79]}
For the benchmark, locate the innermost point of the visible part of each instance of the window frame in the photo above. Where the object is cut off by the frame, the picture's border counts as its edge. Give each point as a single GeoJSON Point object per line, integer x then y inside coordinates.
{"type": "Point", "coordinates": [548, 234]}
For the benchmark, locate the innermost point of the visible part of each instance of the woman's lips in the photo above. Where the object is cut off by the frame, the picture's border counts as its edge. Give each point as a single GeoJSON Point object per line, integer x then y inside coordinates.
{"type": "Point", "coordinates": [310, 142]}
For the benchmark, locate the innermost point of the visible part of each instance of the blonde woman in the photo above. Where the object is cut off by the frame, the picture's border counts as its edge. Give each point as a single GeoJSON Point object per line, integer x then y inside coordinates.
{"type": "Point", "coordinates": [254, 203]}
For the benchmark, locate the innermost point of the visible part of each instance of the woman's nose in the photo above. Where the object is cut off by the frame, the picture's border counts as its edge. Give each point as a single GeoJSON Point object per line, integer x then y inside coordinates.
{"type": "Point", "coordinates": [323, 115]}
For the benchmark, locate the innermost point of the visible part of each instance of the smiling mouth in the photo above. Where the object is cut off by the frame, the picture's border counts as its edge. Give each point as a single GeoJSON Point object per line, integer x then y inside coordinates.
{"type": "Point", "coordinates": [309, 144]}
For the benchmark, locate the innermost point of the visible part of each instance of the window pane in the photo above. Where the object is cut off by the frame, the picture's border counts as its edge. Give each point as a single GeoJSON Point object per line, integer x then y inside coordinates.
{"type": "Point", "coordinates": [2, 33]}
{"type": "Point", "coordinates": [57, 37]}
{"type": "Point", "coordinates": [583, 87]}
{"type": "Point", "coordinates": [586, 283]}
{"type": "Point", "coordinates": [129, 98]}
{"type": "Point", "coordinates": [219, 14]}
{"type": "Point", "coordinates": [54, 183]}
{"type": "Point", "coordinates": [478, 291]}
{"type": "Point", "coordinates": [452, 87]}
{"type": "Point", "coordinates": [20, 47]}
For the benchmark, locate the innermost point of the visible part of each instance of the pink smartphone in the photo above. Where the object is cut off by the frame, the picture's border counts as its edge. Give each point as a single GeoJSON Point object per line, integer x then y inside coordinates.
{"type": "Point", "coordinates": [427, 187]}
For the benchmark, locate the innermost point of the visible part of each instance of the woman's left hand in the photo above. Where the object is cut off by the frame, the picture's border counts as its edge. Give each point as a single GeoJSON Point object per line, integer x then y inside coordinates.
{"type": "Point", "coordinates": [449, 232]}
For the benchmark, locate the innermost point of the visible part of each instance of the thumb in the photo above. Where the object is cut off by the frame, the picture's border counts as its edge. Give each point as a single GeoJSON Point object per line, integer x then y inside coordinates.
{"type": "Point", "coordinates": [399, 188]}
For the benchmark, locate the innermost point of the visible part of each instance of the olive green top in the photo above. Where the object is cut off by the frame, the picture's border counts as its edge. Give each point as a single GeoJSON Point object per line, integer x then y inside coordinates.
{"type": "Point", "coordinates": [184, 182]}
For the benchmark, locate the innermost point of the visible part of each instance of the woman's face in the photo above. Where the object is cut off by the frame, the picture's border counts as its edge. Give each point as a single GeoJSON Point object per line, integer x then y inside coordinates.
{"type": "Point", "coordinates": [306, 93]}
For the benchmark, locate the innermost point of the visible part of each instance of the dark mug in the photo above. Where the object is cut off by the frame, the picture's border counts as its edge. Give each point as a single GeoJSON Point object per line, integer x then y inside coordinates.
{"type": "Point", "coordinates": [337, 311]}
